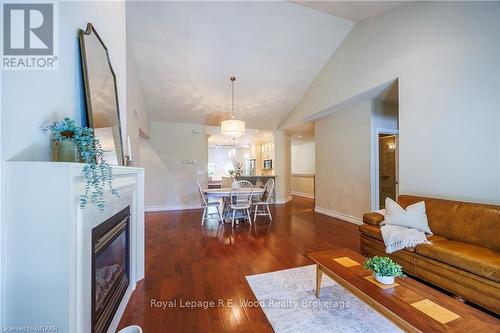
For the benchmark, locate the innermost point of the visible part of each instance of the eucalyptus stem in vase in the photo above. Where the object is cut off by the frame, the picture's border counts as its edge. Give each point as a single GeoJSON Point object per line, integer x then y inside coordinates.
{"type": "Point", "coordinates": [97, 172]}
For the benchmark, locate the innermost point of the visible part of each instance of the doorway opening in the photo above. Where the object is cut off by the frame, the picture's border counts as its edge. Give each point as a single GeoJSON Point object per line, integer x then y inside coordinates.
{"type": "Point", "coordinates": [249, 157]}
{"type": "Point", "coordinates": [302, 160]}
{"type": "Point", "coordinates": [387, 168]}
{"type": "Point", "coordinates": [385, 147]}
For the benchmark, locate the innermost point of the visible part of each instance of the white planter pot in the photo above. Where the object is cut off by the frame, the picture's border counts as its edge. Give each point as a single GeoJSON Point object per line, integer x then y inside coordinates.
{"type": "Point", "coordinates": [384, 279]}
{"type": "Point", "coordinates": [131, 329]}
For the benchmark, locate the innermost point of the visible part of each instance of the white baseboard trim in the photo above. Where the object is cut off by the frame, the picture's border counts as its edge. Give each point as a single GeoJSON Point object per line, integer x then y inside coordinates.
{"type": "Point", "coordinates": [341, 216]}
{"type": "Point", "coordinates": [150, 209]}
{"type": "Point", "coordinates": [283, 201]}
{"type": "Point", "coordinates": [305, 195]}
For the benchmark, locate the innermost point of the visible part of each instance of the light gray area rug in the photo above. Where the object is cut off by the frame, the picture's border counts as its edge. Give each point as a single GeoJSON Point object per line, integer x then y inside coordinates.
{"type": "Point", "coordinates": [288, 300]}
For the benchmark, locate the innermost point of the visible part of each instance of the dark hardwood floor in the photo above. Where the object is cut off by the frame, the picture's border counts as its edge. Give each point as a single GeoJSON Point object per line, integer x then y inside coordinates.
{"type": "Point", "coordinates": [187, 262]}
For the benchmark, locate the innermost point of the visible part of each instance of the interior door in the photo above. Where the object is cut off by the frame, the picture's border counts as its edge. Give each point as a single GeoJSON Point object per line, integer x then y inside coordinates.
{"type": "Point", "coordinates": [387, 168]}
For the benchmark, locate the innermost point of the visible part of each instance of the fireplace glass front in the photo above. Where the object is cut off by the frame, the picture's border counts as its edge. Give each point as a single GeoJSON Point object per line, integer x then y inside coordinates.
{"type": "Point", "coordinates": [110, 268]}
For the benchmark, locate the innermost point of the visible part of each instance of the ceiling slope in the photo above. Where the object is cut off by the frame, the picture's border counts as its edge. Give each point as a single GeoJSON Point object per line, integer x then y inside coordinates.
{"type": "Point", "coordinates": [352, 10]}
{"type": "Point", "coordinates": [186, 52]}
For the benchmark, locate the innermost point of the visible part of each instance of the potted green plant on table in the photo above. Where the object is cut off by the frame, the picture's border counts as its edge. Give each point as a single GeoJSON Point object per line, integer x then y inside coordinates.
{"type": "Point", "coordinates": [384, 269]}
{"type": "Point", "coordinates": [83, 146]}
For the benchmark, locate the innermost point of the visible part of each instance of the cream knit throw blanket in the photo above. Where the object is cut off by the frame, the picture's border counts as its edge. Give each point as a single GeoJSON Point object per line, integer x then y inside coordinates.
{"type": "Point", "coordinates": [397, 238]}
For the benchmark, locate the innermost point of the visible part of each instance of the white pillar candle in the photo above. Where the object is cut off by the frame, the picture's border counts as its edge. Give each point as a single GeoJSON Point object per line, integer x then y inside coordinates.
{"type": "Point", "coordinates": [129, 148]}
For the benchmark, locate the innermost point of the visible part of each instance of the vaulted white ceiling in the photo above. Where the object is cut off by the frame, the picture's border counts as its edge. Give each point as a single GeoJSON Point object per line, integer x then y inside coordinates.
{"type": "Point", "coordinates": [352, 10]}
{"type": "Point", "coordinates": [186, 51]}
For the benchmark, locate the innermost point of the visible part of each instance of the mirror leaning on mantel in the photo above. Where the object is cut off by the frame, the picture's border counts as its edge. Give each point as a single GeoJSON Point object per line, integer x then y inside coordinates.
{"type": "Point", "coordinates": [101, 94]}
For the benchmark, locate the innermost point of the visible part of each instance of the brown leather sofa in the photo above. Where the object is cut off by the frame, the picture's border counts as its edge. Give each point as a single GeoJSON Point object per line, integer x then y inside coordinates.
{"type": "Point", "coordinates": [464, 257]}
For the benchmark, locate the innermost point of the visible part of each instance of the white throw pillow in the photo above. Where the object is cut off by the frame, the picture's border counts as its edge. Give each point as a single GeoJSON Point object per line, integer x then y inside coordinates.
{"type": "Point", "coordinates": [413, 217]}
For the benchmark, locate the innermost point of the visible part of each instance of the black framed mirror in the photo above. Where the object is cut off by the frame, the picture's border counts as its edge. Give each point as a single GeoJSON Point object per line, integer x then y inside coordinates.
{"type": "Point", "coordinates": [101, 96]}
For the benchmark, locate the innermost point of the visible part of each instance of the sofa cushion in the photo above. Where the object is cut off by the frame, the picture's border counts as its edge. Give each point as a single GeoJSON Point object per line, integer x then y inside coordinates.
{"type": "Point", "coordinates": [477, 224]}
{"type": "Point", "coordinates": [430, 238]}
{"type": "Point", "coordinates": [374, 232]}
{"type": "Point", "coordinates": [439, 212]}
{"type": "Point", "coordinates": [412, 217]}
{"type": "Point", "coordinates": [474, 259]}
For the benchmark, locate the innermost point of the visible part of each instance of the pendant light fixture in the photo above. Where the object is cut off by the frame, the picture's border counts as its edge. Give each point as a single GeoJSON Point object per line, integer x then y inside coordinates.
{"type": "Point", "coordinates": [232, 128]}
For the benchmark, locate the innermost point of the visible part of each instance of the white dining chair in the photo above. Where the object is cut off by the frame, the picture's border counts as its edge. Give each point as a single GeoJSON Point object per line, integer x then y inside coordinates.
{"type": "Point", "coordinates": [206, 205]}
{"type": "Point", "coordinates": [241, 199]}
{"type": "Point", "coordinates": [264, 201]}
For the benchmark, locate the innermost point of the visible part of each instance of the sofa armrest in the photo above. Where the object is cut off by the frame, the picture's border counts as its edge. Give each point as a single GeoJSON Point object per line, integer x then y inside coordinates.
{"type": "Point", "coordinates": [373, 218]}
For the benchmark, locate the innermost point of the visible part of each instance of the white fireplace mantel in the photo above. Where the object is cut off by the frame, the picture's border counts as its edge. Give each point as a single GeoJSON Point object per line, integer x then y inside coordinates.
{"type": "Point", "coordinates": [46, 246]}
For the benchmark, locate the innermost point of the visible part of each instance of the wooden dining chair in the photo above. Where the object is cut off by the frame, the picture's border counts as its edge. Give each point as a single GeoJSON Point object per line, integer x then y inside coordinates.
{"type": "Point", "coordinates": [264, 201]}
{"type": "Point", "coordinates": [206, 205]}
{"type": "Point", "coordinates": [241, 199]}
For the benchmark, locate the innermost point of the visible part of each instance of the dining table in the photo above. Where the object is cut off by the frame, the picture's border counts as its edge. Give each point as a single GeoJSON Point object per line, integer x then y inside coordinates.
{"type": "Point", "coordinates": [225, 192]}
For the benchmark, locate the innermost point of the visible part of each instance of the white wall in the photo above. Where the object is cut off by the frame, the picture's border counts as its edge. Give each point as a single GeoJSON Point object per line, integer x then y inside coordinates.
{"type": "Point", "coordinates": [384, 115]}
{"type": "Point", "coordinates": [346, 149]}
{"type": "Point", "coordinates": [446, 58]}
{"type": "Point", "coordinates": [343, 160]}
{"type": "Point", "coordinates": [303, 160]}
{"type": "Point", "coordinates": [282, 166]}
{"type": "Point", "coordinates": [170, 184]}
{"type": "Point", "coordinates": [302, 185]}
{"type": "Point", "coordinates": [136, 105]}
{"type": "Point", "coordinates": [303, 168]}
{"type": "Point", "coordinates": [2, 198]}
{"type": "Point", "coordinates": [31, 98]}
{"type": "Point", "coordinates": [137, 114]}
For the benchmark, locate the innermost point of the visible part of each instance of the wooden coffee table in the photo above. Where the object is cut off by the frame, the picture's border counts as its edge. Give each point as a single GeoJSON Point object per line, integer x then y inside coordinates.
{"type": "Point", "coordinates": [409, 304]}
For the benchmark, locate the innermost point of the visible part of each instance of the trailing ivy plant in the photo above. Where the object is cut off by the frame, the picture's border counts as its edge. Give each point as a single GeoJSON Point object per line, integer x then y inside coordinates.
{"type": "Point", "coordinates": [97, 172]}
